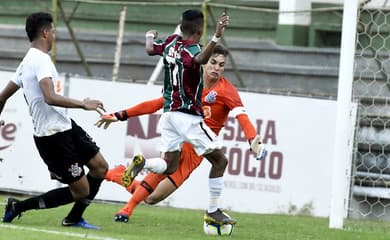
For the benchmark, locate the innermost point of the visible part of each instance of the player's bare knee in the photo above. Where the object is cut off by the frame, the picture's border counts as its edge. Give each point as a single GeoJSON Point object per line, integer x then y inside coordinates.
{"type": "Point", "coordinates": [150, 200]}
{"type": "Point", "coordinates": [220, 163]}
{"type": "Point", "coordinates": [224, 162]}
{"type": "Point", "coordinates": [102, 171]}
{"type": "Point", "coordinates": [98, 169]}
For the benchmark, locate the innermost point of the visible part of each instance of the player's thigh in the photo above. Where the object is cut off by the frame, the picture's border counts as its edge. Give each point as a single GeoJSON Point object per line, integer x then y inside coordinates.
{"type": "Point", "coordinates": [162, 191]}
{"type": "Point", "coordinates": [172, 160]}
{"type": "Point", "coordinates": [98, 166]}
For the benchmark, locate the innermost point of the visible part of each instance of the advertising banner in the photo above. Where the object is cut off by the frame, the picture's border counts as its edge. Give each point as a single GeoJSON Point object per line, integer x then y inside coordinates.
{"type": "Point", "coordinates": [294, 176]}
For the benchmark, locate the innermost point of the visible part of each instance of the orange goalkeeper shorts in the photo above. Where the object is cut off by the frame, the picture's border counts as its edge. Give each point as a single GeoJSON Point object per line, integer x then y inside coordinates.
{"type": "Point", "coordinates": [189, 161]}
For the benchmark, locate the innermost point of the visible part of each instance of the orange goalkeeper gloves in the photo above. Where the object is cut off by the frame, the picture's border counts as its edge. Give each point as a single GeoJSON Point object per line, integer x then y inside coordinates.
{"type": "Point", "coordinates": [107, 118]}
{"type": "Point", "coordinates": [258, 148]}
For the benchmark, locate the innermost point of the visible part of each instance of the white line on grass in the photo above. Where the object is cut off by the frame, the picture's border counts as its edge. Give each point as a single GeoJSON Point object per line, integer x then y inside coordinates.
{"type": "Point", "coordinates": [71, 234]}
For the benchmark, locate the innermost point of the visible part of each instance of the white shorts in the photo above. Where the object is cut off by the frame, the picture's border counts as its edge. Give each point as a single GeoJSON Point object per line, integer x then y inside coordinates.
{"type": "Point", "coordinates": [178, 127]}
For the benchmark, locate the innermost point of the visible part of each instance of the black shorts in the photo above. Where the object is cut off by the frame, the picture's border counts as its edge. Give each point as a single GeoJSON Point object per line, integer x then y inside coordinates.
{"type": "Point", "coordinates": [65, 153]}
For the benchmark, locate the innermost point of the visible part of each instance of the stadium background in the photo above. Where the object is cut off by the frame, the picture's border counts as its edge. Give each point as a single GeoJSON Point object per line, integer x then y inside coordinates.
{"type": "Point", "coordinates": [271, 58]}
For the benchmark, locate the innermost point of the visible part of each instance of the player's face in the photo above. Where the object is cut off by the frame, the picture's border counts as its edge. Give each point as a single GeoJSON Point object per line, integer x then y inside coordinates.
{"type": "Point", "coordinates": [51, 35]}
{"type": "Point", "coordinates": [215, 67]}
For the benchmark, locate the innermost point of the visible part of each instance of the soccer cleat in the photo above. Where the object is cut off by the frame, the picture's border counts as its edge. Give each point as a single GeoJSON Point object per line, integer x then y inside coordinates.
{"type": "Point", "coordinates": [81, 224]}
{"type": "Point", "coordinates": [131, 172]}
{"type": "Point", "coordinates": [10, 212]}
{"type": "Point", "coordinates": [121, 217]}
{"type": "Point", "coordinates": [219, 217]}
{"type": "Point", "coordinates": [115, 174]}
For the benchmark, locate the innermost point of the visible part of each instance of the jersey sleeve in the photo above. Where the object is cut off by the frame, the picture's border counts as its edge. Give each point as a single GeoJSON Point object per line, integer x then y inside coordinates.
{"type": "Point", "coordinates": [247, 126]}
{"type": "Point", "coordinates": [159, 45]}
{"type": "Point", "coordinates": [233, 101]}
{"type": "Point", "coordinates": [16, 79]}
{"type": "Point", "coordinates": [43, 68]}
{"type": "Point", "coordinates": [146, 107]}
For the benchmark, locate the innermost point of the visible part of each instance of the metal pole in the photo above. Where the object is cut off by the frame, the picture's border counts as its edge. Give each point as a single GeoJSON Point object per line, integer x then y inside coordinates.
{"type": "Point", "coordinates": [342, 155]}
{"type": "Point", "coordinates": [118, 49]}
{"type": "Point", "coordinates": [54, 44]}
{"type": "Point", "coordinates": [74, 39]}
{"type": "Point", "coordinates": [204, 11]}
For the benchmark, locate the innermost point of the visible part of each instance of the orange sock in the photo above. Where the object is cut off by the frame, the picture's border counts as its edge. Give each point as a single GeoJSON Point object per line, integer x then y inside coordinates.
{"type": "Point", "coordinates": [115, 174]}
{"type": "Point", "coordinates": [143, 190]}
{"type": "Point", "coordinates": [139, 195]}
{"type": "Point", "coordinates": [133, 186]}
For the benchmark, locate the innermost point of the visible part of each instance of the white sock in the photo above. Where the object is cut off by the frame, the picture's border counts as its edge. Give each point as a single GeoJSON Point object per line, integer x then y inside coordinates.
{"type": "Point", "coordinates": [156, 165]}
{"type": "Point", "coordinates": [215, 192]}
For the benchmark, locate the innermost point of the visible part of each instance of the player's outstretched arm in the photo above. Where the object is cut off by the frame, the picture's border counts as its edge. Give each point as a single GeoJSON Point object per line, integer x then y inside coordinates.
{"type": "Point", "coordinates": [204, 55]}
{"type": "Point", "coordinates": [147, 107]}
{"type": "Point", "coordinates": [52, 98]}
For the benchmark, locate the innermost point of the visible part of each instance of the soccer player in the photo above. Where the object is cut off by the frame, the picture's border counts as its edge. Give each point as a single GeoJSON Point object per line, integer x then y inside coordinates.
{"type": "Point", "coordinates": [63, 145]}
{"type": "Point", "coordinates": [219, 97]}
{"type": "Point", "coordinates": [182, 119]}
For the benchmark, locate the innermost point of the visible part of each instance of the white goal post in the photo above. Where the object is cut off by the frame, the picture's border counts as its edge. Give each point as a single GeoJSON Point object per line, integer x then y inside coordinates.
{"type": "Point", "coordinates": [342, 158]}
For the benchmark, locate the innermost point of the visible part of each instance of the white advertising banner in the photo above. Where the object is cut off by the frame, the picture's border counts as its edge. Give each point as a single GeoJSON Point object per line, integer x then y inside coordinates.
{"type": "Point", "coordinates": [21, 167]}
{"type": "Point", "coordinates": [295, 175]}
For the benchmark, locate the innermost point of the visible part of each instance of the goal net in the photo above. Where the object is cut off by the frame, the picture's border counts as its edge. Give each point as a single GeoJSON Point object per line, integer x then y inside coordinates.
{"type": "Point", "coordinates": [370, 182]}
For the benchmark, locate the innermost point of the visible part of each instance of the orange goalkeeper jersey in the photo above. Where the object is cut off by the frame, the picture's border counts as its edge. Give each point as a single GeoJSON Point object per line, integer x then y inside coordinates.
{"type": "Point", "coordinates": [218, 101]}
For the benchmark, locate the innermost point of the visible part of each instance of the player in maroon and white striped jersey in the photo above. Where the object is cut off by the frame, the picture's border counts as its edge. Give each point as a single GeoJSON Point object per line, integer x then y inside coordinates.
{"type": "Point", "coordinates": [182, 119]}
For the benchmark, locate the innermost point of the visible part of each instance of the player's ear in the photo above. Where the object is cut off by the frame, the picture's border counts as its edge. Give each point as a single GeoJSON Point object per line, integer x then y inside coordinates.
{"type": "Point", "coordinates": [44, 32]}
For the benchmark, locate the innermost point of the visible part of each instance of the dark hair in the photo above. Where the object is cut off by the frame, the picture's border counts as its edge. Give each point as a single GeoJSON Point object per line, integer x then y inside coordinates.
{"type": "Point", "coordinates": [36, 22]}
{"type": "Point", "coordinates": [191, 21]}
{"type": "Point", "coordinates": [219, 49]}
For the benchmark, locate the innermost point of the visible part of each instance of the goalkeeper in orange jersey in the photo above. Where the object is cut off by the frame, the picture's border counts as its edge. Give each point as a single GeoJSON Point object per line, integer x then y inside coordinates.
{"type": "Point", "coordinates": [219, 98]}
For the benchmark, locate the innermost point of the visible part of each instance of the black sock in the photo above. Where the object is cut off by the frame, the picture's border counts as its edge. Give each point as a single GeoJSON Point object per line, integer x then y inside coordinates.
{"type": "Point", "coordinates": [79, 207]}
{"type": "Point", "coordinates": [51, 199]}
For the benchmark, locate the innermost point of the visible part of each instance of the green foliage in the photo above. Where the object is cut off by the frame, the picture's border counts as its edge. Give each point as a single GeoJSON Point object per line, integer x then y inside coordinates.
{"type": "Point", "coordinates": [151, 222]}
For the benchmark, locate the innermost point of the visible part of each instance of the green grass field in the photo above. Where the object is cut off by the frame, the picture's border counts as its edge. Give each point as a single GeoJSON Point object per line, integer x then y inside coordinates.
{"type": "Point", "coordinates": [159, 223]}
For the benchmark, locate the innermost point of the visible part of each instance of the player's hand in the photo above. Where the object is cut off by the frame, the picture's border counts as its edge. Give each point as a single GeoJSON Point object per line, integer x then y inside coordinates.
{"type": "Point", "coordinates": [106, 120]}
{"type": "Point", "coordinates": [258, 147]}
{"type": "Point", "coordinates": [151, 33]}
{"type": "Point", "coordinates": [222, 23]}
{"type": "Point", "coordinates": [92, 104]}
